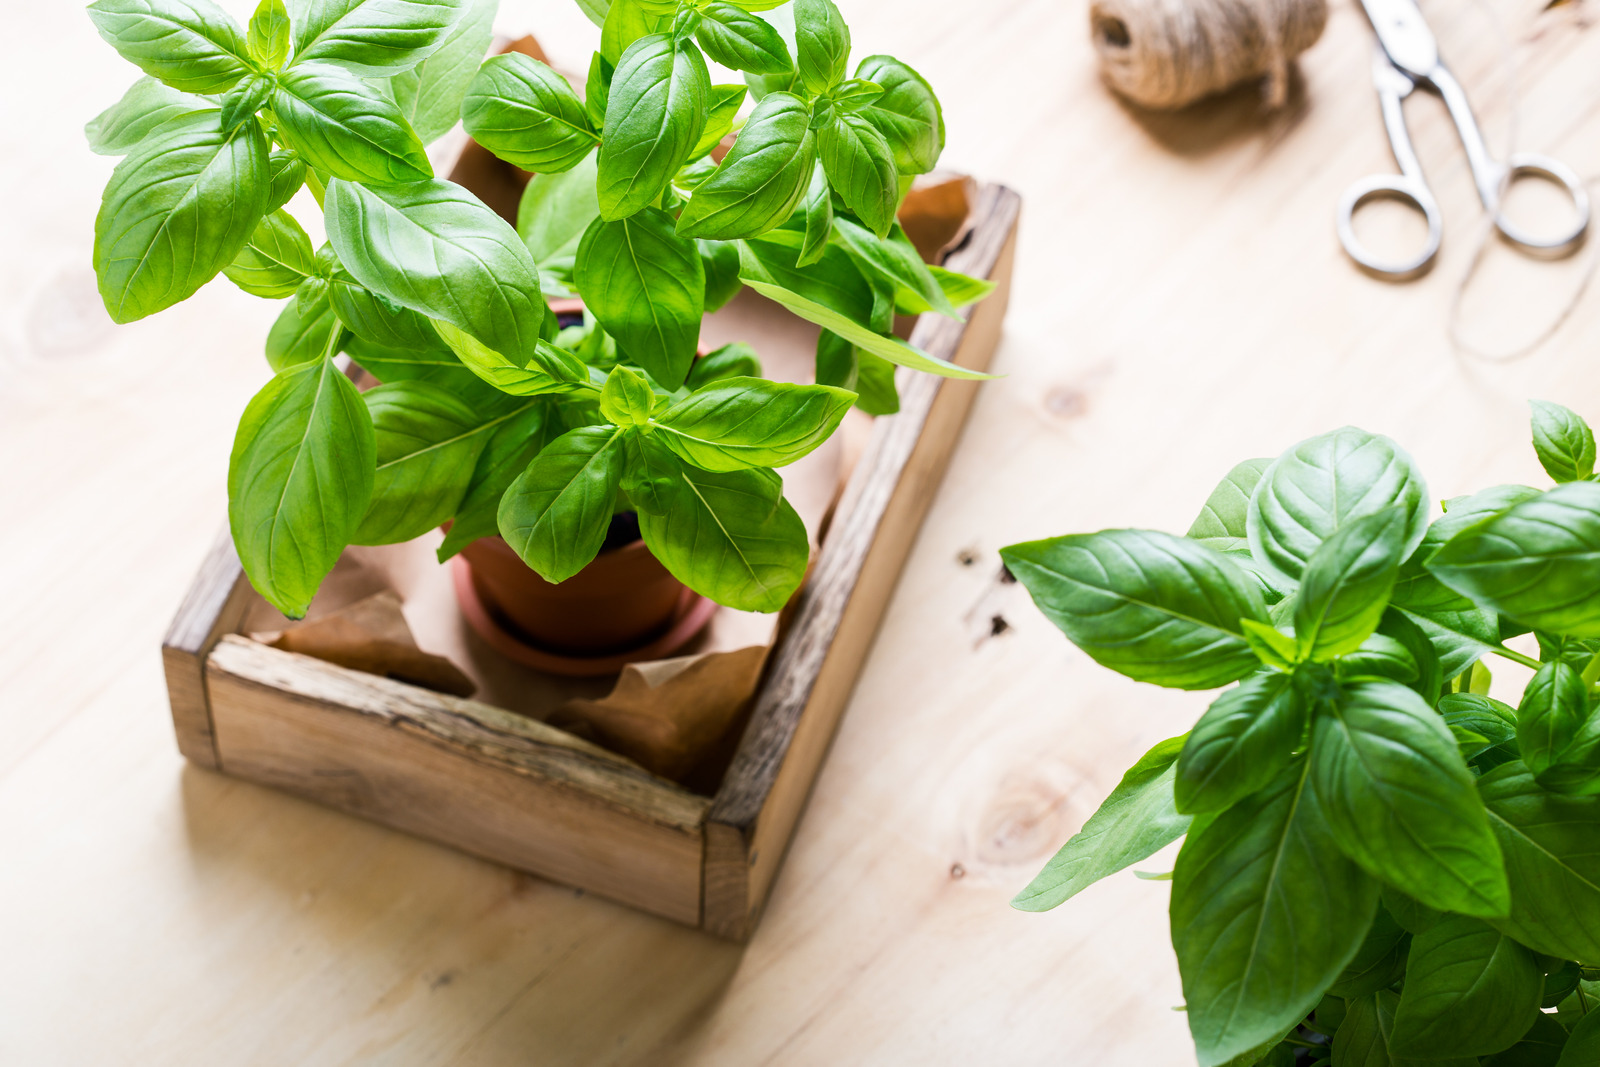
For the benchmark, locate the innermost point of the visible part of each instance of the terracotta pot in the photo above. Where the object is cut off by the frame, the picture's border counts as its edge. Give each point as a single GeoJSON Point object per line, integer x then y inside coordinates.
{"type": "Point", "coordinates": [624, 600]}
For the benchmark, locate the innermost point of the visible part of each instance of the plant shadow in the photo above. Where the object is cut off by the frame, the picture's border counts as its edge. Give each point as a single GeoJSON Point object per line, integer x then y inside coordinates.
{"type": "Point", "coordinates": [347, 942]}
{"type": "Point", "coordinates": [1224, 119]}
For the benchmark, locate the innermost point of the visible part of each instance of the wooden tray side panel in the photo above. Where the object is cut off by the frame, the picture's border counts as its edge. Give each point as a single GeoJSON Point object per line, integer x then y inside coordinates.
{"type": "Point", "coordinates": [429, 765]}
{"type": "Point", "coordinates": [815, 669]}
{"type": "Point", "coordinates": [214, 605]}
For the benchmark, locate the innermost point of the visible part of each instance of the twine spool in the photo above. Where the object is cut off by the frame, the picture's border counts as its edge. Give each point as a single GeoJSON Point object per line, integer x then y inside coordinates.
{"type": "Point", "coordinates": [1169, 53]}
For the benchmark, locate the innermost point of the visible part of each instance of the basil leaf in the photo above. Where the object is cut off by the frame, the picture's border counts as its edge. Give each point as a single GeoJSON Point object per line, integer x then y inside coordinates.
{"type": "Point", "coordinates": [1563, 442]}
{"type": "Point", "coordinates": [894, 262]}
{"type": "Point", "coordinates": [720, 261]}
{"type": "Point", "coordinates": [822, 43]}
{"type": "Point", "coordinates": [299, 481]}
{"type": "Point", "coordinates": [960, 289]}
{"type": "Point", "coordinates": [1243, 741]}
{"type": "Point", "coordinates": [556, 513]}
{"type": "Point", "coordinates": [1493, 721]}
{"type": "Point", "coordinates": [1325, 482]}
{"type": "Point", "coordinates": [345, 129]}
{"type": "Point", "coordinates": [737, 39]}
{"type": "Point", "coordinates": [1460, 638]}
{"type": "Point", "coordinates": [625, 22]}
{"type": "Point", "coordinates": [374, 319]}
{"type": "Point", "coordinates": [275, 260]}
{"type": "Point", "coordinates": [1363, 1038]}
{"type": "Point", "coordinates": [286, 174]}
{"type": "Point", "coordinates": [192, 45]}
{"type": "Point", "coordinates": [720, 117]}
{"type": "Point", "coordinates": [555, 211]}
{"type": "Point", "coordinates": [762, 178]}
{"type": "Point", "coordinates": [660, 95]}
{"type": "Point", "coordinates": [373, 38]}
{"type": "Point", "coordinates": [1554, 707]}
{"type": "Point", "coordinates": [427, 446]}
{"type": "Point", "coordinates": [1470, 991]}
{"type": "Point", "coordinates": [429, 95]}
{"type": "Point", "coordinates": [646, 286]}
{"type": "Point", "coordinates": [1151, 606]}
{"type": "Point", "coordinates": [730, 536]}
{"type": "Point", "coordinates": [1378, 963]}
{"type": "Point", "coordinates": [737, 360]}
{"type": "Point", "coordinates": [300, 336]}
{"type": "Point", "coordinates": [528, 115]}
{"type": "Point", "coordinates": [907, 114]}
{"type": "Point", "coordinates": [1266, 913]}
{"type": "Point", "coordinates": [146, 105]}
{"type": "Point", "coordinates": [1537, 562]}
{"type": "Point", "coordinates": [436, 249]}
{"type": "Point", "coordinates": [817, 206]}
{"type": "Point", "coordinates": [1133, 823]}
{"type": "Point", "coordinates": [1400, 802]}
{"type": "Point", "coordinates": [768, 267]}
{"type": "Point", "coordinates": [437, 365]}
{"type": "Point", "coordinates": [177, 210]}
{"type": "Point", "coordinates": [1221, 522]}
{"type": "Point", "coordinates": [242, 101]}
{"type": "Point", "coordinates": [1345, 587]}
{"type": "Point", "coordinates": [861, 169]}
{"type": "Point", "coordinates": [751, 422]}
{"type": "Point", "coordinates": [513, 440]}
{"type": "Point", "coordinates": [267, 38]}
{"type": "Point", "coordinates": [551, 371]}
{"type": "Point", "coordinates": [1584, 1045]}
{"type": "Point", "coordinates": [626, 398]}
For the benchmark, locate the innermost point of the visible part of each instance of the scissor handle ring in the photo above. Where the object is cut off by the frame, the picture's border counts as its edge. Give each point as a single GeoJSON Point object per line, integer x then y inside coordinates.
{"type": "Point", "coordinates": [1385, 187]}
{"type": "Point", "coordinates": [1562, 175]}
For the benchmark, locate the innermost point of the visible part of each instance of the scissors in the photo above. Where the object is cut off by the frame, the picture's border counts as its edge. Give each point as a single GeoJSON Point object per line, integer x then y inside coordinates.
{"type": "Point", "coordinates": [1407, 58]}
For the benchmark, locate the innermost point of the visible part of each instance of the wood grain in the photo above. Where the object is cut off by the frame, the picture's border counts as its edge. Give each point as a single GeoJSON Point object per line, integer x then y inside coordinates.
{"type": "Point", "coordinates": [216, 602]}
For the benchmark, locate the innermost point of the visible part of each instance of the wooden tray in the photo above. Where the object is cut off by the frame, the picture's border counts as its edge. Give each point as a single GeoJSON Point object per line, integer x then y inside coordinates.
{"type": "Point", "coordinates": [516, 791]}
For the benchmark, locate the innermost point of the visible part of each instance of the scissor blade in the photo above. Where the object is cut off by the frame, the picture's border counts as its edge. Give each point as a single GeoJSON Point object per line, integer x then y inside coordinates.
{"type": "Point", "coordinates": [1404, 34]}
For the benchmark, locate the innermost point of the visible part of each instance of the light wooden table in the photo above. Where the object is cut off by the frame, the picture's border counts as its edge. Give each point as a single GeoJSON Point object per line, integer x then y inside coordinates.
{"type": "Point", "coordinates": [1180, 304]}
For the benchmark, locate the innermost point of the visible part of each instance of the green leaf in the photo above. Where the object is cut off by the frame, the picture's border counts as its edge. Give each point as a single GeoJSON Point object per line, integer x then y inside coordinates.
{"type": "Point", "coordinates": [960, 289]}
{"type": "Point", "coordinates": [762, 178]}
{"type": "Point", "coordinates": [861, 169]}
{"type": "Point", "coordinates": [768, 267]}
{"type": "Point", "coordinates": [1563, 441]}
{"type": "Point", "coordinates": [299, 481]}
{"type": "Point", "coordinates": [627, 398]}
{"type": "Point", "coordinates": [1540, 1047]}
{"type": "Point", "coordinates": [513, 440]}
{"type": "Point", "coordinates": [300, 336]}
{"type": "Point", "coordinates": [241, 103]}
{"type": "Point", "coordinates": [372, 318]}
{"type": "Point", "coordinates": [1149, 605]}
{"type": "Point", "coordinates": [372, 38]}
{"type": "Point", "coordinates": [177, 210]}
{"type": "Point", "coordinates": [817, 207]}
{"type": "Point", "coordinates": [1323, 483]}
{"type": "Point", "coordinates": [720, 260]}
{"type": "Point", "coordinates": [1266, 913]}
{"type": "Point", "coordinates": [737, 360]}
{"type": "Point", "coordinates": [429, 95]}
{"type": "Point", "coordinates": [595, 10]}
{"type": "Point", "coordinates": [528, 115]}
{"type": "Point", "coordinates": [552, 370]}
{"type": "Point", "coordinates": [286, 176]}
{"type": "Point", "coordinates": [1400, 801]}
{"type": "Point", "coordinates": [646, 286]}
{"type": "Point", "coordinates": [1554, 707]}
{"type": "Point", "coordinates": [907, 114]}
{"type": "Point", "coordinates": [1363, 1037]}
{"type": "Point", "coordinates": [276, 259]}
{"type": "Point", "coordinates": [854, 94]}
{"type": "Point", "coordinates": [1271, 645]}
{"type": "Point", "coordinates": [1345, 587]}
{"type": "Point", "coordinates": [146, 105]}
{"type": "Point", "coordinates": [1552, 857]}
{"type": "Point", "coordinates": [1379, 962]}
{"type": "Point", "coordinates": [739, 40]}
{"type": "Point", "coordinates": [1470, 991]}
{"type": "Point", "coordinates": [894, 262]}
{"type": "Point", "coordinates": [626, 21]}
{"type": "Point", "coordinates": [729, 536]}
{"type": "Point", "coordinates": [1493, 721]}
{"type": "Point", "coordinates": [1583, 1047]}
{"type": "Point", "coordinates": [1221, 522]}
{"type": "Point", "coordinates": [191, 45]}
{"type": "Point", "coordinates": [1537, 562]}
{"type": "Point", "coordinates": [1243, 741]}
{"type": "Point", "coordinates": [436, 249]}
{"type": "Point", "coordinates": [822, 42]}
{"type": "Point", "coordinates": [720, 117]}
{"type": "Point", "coordinates": [1133, 823]}
{"type": "Point", "coordinates": [751, 422]}
{"type": "Point", "coordinates": [267, 38]}
{"type": "Point", "coordinates": [343, 128]}
{"type": "Point", "coordinates": [1460, 638]}
{"type": "Point", "coordinates": [556, 513]}
{"type": "Point", "coordinates": [555, 211]}
{"type": "Point", "coordinates": [1411, 644]}
{"type": "Point", "coordinates": [660, 96]}
{"type": "Point", "coordinates": [428, 443]}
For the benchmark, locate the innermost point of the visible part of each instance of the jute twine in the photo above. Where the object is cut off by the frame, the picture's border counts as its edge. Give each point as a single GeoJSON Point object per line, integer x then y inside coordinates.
{"type": "Point", "coordinates": [1169, 53]}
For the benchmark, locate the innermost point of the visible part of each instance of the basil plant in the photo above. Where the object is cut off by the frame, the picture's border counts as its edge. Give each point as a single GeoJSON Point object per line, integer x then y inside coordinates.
{"type": "Point", "coordinates": [492, 414]}
{"type": "Point", "coordinates": [1384, 865]}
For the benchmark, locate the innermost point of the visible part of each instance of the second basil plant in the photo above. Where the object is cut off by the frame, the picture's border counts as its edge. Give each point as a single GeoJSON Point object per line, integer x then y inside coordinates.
{"type": "Point", "coordinates": [490, 415]}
